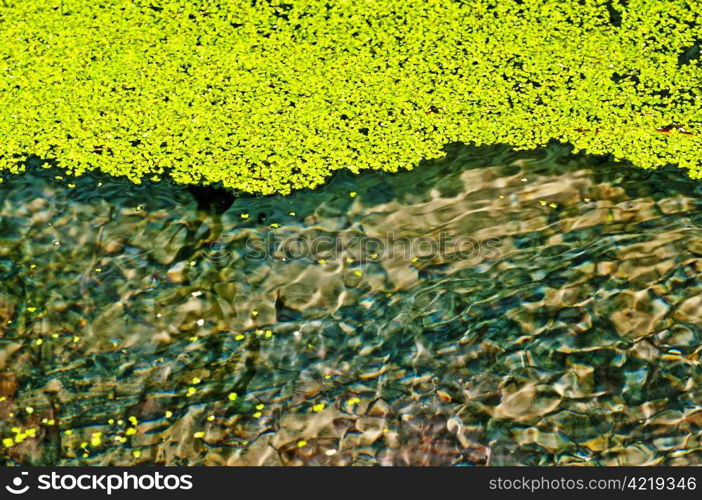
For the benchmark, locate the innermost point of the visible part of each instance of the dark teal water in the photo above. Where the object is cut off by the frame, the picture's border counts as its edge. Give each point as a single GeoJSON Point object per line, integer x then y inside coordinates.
{"type": "Point", "coordinates": [496, 308]}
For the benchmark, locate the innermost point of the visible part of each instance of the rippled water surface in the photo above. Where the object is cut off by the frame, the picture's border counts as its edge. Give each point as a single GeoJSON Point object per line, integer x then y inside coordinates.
{"type": "Point", "coordinates": [494, 308]}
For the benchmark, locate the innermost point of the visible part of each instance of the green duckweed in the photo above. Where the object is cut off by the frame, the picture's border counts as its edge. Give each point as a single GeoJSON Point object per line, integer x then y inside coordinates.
{"type": "Point", "coordinates": [271, 96]}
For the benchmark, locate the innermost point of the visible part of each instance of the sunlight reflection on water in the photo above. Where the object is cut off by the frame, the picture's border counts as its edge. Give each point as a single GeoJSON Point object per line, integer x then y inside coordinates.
{"type": "Point", "coordinates": [567, 335]}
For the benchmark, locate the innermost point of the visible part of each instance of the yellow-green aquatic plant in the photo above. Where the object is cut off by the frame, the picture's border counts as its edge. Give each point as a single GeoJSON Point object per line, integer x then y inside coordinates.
{"type": "Point", "coordinates": [271, 96]}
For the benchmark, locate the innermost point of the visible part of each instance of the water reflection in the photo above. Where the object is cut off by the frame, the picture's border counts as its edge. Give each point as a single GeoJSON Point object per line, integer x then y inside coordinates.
{"type": "Point", "coordinates": [138, 328]}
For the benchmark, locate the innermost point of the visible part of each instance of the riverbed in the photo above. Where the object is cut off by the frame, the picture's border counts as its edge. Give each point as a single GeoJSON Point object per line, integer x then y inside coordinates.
{"type": "Point", "coordinates": [495, 307]}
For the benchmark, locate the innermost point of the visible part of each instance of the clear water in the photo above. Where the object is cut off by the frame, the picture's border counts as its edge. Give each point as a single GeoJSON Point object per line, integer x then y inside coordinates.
{"type": "Point", "coordinates": [496, 308]}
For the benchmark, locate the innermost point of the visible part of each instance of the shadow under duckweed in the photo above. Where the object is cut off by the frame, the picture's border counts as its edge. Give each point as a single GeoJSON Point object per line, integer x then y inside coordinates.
{"type": "Point", "coordinates": [495, 307]}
